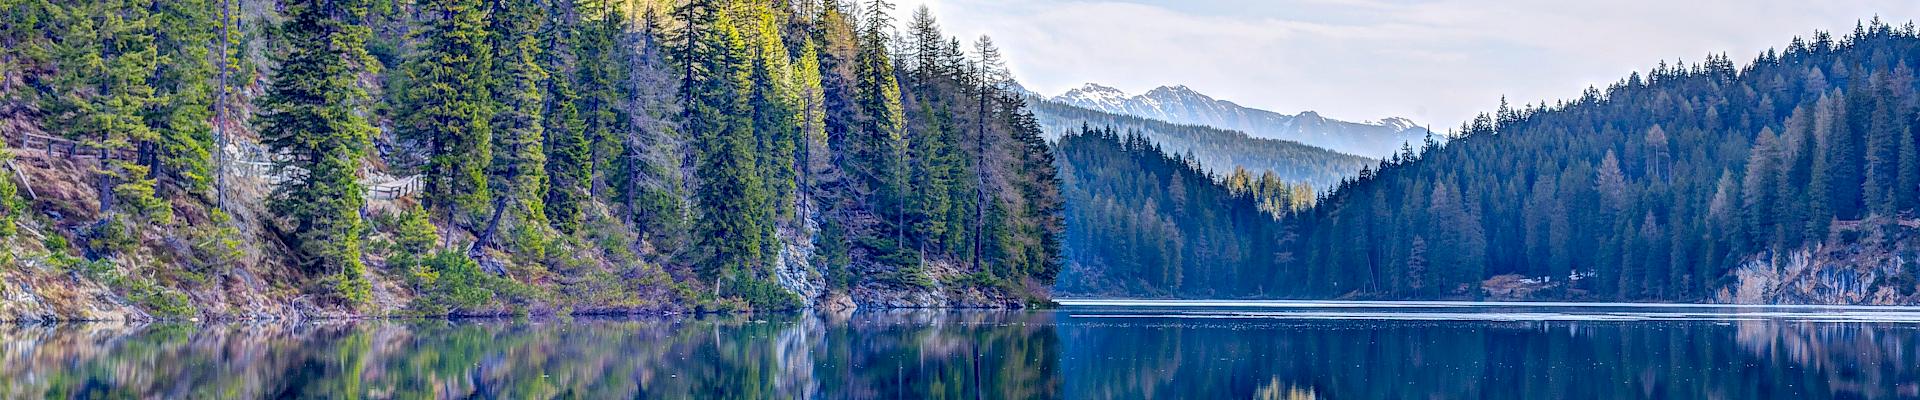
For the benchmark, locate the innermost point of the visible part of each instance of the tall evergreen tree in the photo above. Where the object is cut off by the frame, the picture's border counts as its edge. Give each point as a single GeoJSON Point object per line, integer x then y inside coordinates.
{"type": "Point", "coordinates": [107, 59]}
{"type": "Point", "coordinates": [312, 114]}
{"type": "Point", "coordinates": [448, 108]}
{"type": "Point", "coordinates": [518, 126]}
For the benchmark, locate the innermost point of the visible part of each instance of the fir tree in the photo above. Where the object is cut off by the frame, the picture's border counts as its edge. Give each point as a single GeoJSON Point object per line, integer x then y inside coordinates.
{"type": "Point", "coordinates": [448, 109]}
{"type": "Point", "coordinates": [311, 114]}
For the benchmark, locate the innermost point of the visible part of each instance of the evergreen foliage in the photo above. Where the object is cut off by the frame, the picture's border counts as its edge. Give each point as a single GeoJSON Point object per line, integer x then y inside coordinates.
{"type": "Point", "coordinates": [312, 115]}
{"type": "Point", "coordinates": [1654, 188]}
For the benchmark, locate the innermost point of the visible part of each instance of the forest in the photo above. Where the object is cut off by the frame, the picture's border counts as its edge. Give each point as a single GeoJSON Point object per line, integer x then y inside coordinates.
{"type": "Point", "coordinates": [1691, 182]}
{"type": "Point", "coordinates": [570, 155]}
{"type": "Point", "coordinates": [1141, 222]}
{"type": "Point", "coordinates": [1792, 179]}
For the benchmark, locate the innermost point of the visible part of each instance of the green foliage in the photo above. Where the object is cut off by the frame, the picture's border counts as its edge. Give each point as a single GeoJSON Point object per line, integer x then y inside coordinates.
{"type": "Point", "coordinates": [447, 281]}
{"type": "Point", "coordinates": [107, 59]}
{"type": "Point", "coordinates": [1652, 188]}
{"type": "Point", "coordinates": [312, 114]}
{"type": "Point", "coordinates": [519, 165]}
{"type": "Point", "coordinates": [11, 205]}
{"type": "Point", "coordinates": [111, 236]}
{"type": "Point", "coordinates": [1143, 222]}
{"type": "Point", "coordinates": [763, 295]}
{"type": "Point", "coordinates": [217, 243]}
{"type": "Point", "coordinates": [447, 106]}
{"type": "Point", "coordinates": [568, 153]}
{"type": "Point", "coordinates": [182, 81]}
{"type": "Point", "coordinates": [733, 222]}
{"type": "Point", "coordinates": [414, 235]}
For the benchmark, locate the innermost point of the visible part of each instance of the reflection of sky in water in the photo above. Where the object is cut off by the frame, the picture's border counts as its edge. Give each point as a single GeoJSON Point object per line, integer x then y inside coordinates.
{"type": "Point", "coordinates": [1102, 350]}
{"type": "Point", "coordinates": [1490, 311]}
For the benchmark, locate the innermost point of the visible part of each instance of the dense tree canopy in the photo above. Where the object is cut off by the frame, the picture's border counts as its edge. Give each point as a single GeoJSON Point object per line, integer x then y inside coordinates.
{"type": "Point", "coordinates": [1653, 188]}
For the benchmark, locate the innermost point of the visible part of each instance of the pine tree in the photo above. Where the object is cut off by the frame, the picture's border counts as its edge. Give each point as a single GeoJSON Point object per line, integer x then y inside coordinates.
{"type": "Point", "coordinates": [107, 59]}
{"type": "Point", "coordinates": [448, 109]}
{"type": "Point", "coordinates": [652, 175]}
{"type": "Point", "coordinates": [733, 212]}
{"type": "Point", "coordinates": [732, 201]}
{"type": "Point", "coordinates": [877, 151]}
{"type": "Point", "coordinates": [182, 155]}
{"type": "Point", "coordinates": [311, 114]}
{"type": "Point", "coordinates": [518, 127]}
{"type": "Point", "coordinates": [568, 148]}
{"type": "Point", "coordinates": [600, 71]}
{"type": "Point", "coordinates": [1882, 152]}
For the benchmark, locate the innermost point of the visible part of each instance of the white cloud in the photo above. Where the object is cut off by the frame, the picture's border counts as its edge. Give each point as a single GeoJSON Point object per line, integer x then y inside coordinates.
{"type": "Point", "coordinates": [1435, 61]}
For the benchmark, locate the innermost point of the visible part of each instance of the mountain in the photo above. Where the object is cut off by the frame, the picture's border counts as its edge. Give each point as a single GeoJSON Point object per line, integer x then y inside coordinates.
{"type": "Point", "coordinates": [1180, 104]}
{"type": "Point", "coordinates": [1218, 150]}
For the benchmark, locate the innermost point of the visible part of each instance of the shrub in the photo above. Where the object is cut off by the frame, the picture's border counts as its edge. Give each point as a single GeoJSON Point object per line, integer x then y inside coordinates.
{"type": "Point", "coordinates": [447, 280]}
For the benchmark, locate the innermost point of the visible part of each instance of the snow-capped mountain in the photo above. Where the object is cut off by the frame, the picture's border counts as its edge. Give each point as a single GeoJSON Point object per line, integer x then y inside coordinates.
{"type": "Point", "coordinates": [1179, 104]}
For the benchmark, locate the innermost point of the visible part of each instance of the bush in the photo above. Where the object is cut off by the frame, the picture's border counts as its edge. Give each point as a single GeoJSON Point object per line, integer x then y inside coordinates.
{"type": "Point", "coordinates": [217, 243]}
{"type": "Point", "coordinates": [764, 295]}
{"type": "Point", "coordinates": [10, 203]}
{"type": "Point", "coordinates": [447, 280]}
{"type": "Point", "coordinates": [111, 236]}
{"type": "Point", "coordinates": [350, 285]}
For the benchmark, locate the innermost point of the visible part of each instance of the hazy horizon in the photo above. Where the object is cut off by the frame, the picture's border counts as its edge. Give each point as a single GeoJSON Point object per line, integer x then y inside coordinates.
{"type": "Point", "coordinates": [1357, 60]}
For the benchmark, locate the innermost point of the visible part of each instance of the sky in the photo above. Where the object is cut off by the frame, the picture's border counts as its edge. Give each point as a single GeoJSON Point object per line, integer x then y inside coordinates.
{"type": "Point", "coordinates": [1436, 62]}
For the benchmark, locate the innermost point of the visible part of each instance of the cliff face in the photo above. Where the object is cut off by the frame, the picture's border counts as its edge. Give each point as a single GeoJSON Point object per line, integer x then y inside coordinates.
{"type": "Point", "coordinates": [1877, 269]}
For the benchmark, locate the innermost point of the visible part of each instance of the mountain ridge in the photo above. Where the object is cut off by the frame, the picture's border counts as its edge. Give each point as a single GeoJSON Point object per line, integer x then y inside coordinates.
{"type": "Point", "coordinates": [1183, 105]}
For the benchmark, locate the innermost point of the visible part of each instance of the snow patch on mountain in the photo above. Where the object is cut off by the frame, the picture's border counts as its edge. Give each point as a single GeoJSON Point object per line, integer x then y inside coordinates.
{"type": "Point", "coordinates": [1181, 104]}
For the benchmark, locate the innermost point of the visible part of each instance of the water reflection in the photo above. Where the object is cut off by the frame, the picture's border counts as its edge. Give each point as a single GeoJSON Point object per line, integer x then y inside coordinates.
{"type": "Point", "coordinates": [1017, 355]}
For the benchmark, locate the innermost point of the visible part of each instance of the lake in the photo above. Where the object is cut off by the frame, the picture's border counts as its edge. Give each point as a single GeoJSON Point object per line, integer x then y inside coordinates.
{"type": "Point", "coordinates": [1086, 349]}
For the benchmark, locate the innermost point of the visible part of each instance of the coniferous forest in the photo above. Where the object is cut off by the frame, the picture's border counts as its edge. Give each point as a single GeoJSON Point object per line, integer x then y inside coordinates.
{"type": "Point", "coordinates": [1141, 222]}
{"type": "Point", "coordinates": [1789, 179]}
{"type": "Point", "coordinates": [470, 156]}
{"type": "Point", "coordinates": [1695, 181]}
{"type": "Point", "coordinates": [339, 157]}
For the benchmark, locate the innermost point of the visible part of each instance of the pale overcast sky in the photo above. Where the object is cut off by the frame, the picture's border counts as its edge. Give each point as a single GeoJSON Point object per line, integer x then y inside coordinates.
{"type": "Point", "coordinates": [1437, 62]}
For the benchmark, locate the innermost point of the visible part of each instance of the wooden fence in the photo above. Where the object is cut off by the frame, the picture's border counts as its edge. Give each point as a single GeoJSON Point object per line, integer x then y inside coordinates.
{"type": "Point", "coordinates": [246, 159]}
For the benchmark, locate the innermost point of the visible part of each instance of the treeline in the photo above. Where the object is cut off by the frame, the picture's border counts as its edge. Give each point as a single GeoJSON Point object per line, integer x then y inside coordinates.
{"type": "Point", "coordinates": [707, 136]}
{"type": "Point", "coordinates": [1141, 222]}
{"type": "Point", "coordinates": [1652, 189]}
{"type": "Point", "coordinates": [1218, 150]}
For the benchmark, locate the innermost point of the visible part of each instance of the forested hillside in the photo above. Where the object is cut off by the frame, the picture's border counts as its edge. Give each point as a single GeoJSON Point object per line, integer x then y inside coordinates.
{"type": "Point", "coordinates": [254, 158]}
{"type": "Point", "coordinates": [1218, 150]}
{"type": "Point", "coordinates": [1141, 222]}
{"type": "Point", "coordinates": [1791, 179]}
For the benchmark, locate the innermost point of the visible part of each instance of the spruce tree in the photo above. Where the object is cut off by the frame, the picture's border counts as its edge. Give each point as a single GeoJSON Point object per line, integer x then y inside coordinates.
{"type": "Point", "coordinates": [568, 149]}
{"type": "Point", "coordinates": [312, 114]}
{"type": "Point", "coordinates": [183, 150]}
{"type": "Point", "coordinates": [519, 163]}
{"type": "Point", "coordinates": [447, 107]}
{"type": "Point", "coordinates": [877, 149]}
{"type": "Point", "coordinates": [106, 60]}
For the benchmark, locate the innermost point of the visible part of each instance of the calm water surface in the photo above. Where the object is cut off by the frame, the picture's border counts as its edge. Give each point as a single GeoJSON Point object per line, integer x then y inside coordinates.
{"type": "Point", "coordinates": [1089, 349]}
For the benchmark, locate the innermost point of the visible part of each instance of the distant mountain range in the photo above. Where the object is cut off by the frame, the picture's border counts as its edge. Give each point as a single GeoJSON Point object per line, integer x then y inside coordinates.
{"type": "Point", "coordinates": [1181, 105]}
{"type": "Point", "coordinates": [1217, 150]}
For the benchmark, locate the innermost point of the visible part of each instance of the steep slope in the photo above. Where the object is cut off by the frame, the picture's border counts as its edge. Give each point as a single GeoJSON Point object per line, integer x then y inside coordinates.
{"type": "Point", "coordinates": [1182, 105]}
{"type": "Point", "coordinates": [769, 156]}
{"type": "Point", "coordinates": [1217, 150]}
{"type": "Point", "coordinates": [1793, 179]}
{"type": "Point", "coordinates": [1142, 222]}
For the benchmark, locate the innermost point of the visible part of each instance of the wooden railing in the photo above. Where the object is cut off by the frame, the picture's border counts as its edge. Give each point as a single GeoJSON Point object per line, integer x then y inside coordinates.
{"type": "Point", "coordinates": [245, 159]}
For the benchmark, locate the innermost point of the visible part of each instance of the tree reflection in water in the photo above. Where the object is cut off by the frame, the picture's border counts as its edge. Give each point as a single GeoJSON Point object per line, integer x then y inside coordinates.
{"type": "Point", "coordinates": [989, 355]}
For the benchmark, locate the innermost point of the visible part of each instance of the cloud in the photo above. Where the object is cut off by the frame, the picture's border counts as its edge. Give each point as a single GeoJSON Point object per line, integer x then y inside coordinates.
{"type": "Point", "coordinates": [1438, 62]}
